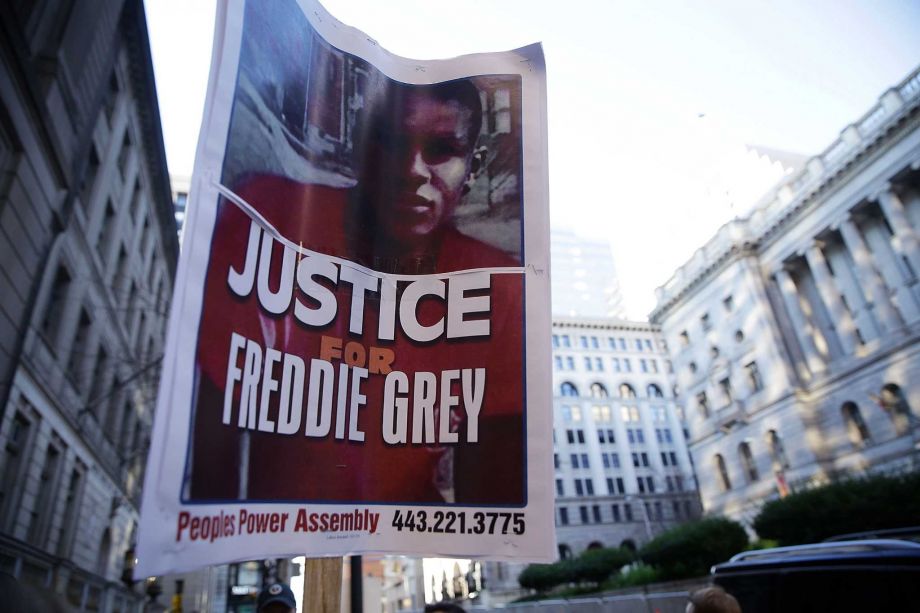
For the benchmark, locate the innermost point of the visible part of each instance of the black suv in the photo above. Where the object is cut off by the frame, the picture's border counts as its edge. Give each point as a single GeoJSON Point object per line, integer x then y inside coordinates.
{"type": "Point", "coordinates": [856, 572]}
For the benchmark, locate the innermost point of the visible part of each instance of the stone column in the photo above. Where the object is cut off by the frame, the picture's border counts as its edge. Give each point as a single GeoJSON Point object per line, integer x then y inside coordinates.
{"type": "Point", "coordinates": [830, 295]}
{"type": "Point", "coordinates": [803, 330]}
{"type": "Point", "coordinates": [907, 242]}
{"type": "Point", "coordinates": [875, 289]}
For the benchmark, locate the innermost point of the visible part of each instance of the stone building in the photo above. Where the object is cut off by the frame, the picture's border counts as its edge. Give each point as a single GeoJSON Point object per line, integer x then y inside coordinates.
{"type": "Point", "coordinates": [623, 472]}
{"type": "Point", "coordinates": [88, 243]}
{"type": "Point", "coordinates": [794, 330]}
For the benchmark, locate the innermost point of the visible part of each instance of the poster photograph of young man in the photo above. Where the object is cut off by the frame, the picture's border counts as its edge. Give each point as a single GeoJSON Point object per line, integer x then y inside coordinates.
{"type": "Point", "coordinates": [362, 328]}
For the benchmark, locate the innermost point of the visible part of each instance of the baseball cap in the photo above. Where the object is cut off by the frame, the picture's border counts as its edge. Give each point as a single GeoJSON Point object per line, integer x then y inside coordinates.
{"type": "Point", "coordinates": [276, 592]}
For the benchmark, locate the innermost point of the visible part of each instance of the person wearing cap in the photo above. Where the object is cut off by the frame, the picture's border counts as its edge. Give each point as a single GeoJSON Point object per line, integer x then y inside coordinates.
{"type": "Point", "coordinates": [276, 598]}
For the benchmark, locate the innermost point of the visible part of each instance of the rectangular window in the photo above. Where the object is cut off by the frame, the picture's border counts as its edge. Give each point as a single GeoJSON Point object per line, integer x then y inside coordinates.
{"type": "Point", "coordinates": [635, 460]}
{"type": "Point", "coordinates": [622, 343]}
{"type": "Point", "coordinates": [640, 436]}
{"type": "Point", "coordinates": [648, 344]}
{"type": "Point", "coordinates": [610, 438]}
{"type": "Point", "coordinates": [78, 349]}
{"type": "Point", "coordinates": [627, 511]}
{"type": "Point", "coordinates": [589, 365]}
{"type": "Point", "coordinates": [596, 513]}
{"type": "Point", "coordinates": [576, 416]}
{"type": "Point", "coordinates": [615, 510]}
{"type": "Point", "coordinates": [600, 437]}
{"type": "Point", "coordinates": [555, 340]}
{"type": "Point", "coordinates": [557, 362]}
{"type": "Point", "coordinates": [44, 501]}
{"type": "Point", "coordinates": [621, 487]}
{"type": "Point", "coordinates": [638, 344]}
{"type": "Point", "coordinates": [570, 436]}
{"type": "Point", "coordinates": [643, 365]}
{"type": "Point", "coordinates": [640, 482]}
{"type": "Point", "coordinates": [753, 375]}
{"type": "Point", "coordinates": [560, 491]}
{"type": "Point", "coordinates": [650, 482]}
{"type": "Point", "coordinates": [570, 362]}
{"type": "Point", "coordinates": [610, 489]}
{"type": "Point", "coordinates": [579, 488]}
{"type": "Point", "coordinates": [57, 301]}
{"type": "Point", "coordinates": [630, 434]}
{"type": "Point", "coordinates": [566, 342]}
{"type": "Point", "coordinates": [644, 457]}
{"type": "Point", "coordinates": [574, 460]}
{"type": "Point", "coordinates": [589, 487]}
{"type": "Point", "coordinates": [627, 366]}
{"type": "Point", "coordinates": [659, 511]}
{"type": "Point", "coordinates": [679, 482]}
{"type": "Point", "coordinates": [658, 435]}
{"type": "Point", "coordinates": [616, 364]}
{"type": "Point", "coordinates": [584, 460]}
{"type": "Point", "coordinates": [71, 509]}
{"type": "Point", "coordinates": [664, 459]}
{"type": "Point", "coordinates": [667, 436]}
{"type": "Point", "coordinates": [594, 343]}
{"type": "Point", "coordinates": [669, 482]}
{"type": "Point", "coordinates": [14, 459]}
{"type": "Point", "coordinates": [654, 365]}
{"type": "Point", "coordinates": [563, 516]}
{"type": "Point", "coordinates": [584, 341]}
{"type": "Point", "coordinates": [599, 364]}
{"type": "Point", "coordinates": [583, 514]}
{"type": "Point", "coordinates": [615, 460]}
{"type": "Point", "coordinates": [581, 436]}
{"type": "Point", "coordinates": [673, 456]}
{"type": "Point", "coordinates": [606, 460]}
{"type": "Point", "coordinates": [705, 322]}
{"type": "Point", "coordinates": [726, 386]}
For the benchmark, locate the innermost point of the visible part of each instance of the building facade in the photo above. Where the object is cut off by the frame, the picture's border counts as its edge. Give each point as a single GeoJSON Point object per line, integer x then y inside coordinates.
{"type": "Point", "coordinates": [793, 332]}
{"type": "Point", "coordinates": [584, 279]}
{"type": "Point", "coordinates": [623, 472]}
{"type": "Point", "coordinates": [89, 250]}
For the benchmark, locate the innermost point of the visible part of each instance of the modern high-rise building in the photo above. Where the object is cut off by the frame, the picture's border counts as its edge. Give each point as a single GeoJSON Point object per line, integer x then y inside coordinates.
{"type": "Point", "coordinates": [623, 472]}
{"type": "Point", "coordinates": [584, 278]}
{"type": "Point", "coordinates": [88, 244]}
{"type": "Point", "coordinates": [794, 331]}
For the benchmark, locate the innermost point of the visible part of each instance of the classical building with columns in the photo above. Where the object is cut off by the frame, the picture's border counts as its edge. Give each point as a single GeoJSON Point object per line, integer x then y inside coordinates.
{"type": "Point", "coordinates": [87, 263]}
{"type": "Point", "coordinates": [623, 471]}
{"type": "Point", "coordinates": [794, 331]}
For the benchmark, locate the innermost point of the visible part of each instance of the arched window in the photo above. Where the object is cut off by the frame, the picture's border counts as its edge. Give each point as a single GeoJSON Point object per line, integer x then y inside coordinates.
{"type": "Point", "coordinates": [747, 461]}
{"type": "Point", "coordinates": [894, 402]}
{"type": "Point", "coordinates": [598, 391]}
{"type": "Point", "coordinates": [723, 472]}
{"type": "Point", "coordinates": [628, 545]}
{"type": "Point", "coordinates": [654, 391]}
{"type": "Point", "coordinates": [596, 545]}
{"type": "Point", "coordinates": [856, 426]}
{"type": "Point", "coordinates": [627, 391]}
{"type": "Point", "coordinates": [568, 389]}
{"type": "Point", "coordinates": [565, 552]}
{"type": "Point", "coordinates": [777, 452]}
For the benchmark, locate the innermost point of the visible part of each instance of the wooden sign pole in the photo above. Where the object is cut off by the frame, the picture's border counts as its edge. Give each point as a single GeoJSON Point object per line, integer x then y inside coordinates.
{"type": "Point", "coordinates": [322, 585]}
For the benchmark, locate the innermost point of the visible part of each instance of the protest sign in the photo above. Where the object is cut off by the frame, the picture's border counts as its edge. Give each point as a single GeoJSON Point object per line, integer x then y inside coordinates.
{"type": "Point", "coordinates": [357, 357]}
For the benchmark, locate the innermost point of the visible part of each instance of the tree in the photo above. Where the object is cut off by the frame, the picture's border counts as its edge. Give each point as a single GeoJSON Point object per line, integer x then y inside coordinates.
{"type": "Point", "coordinates": [857, 505]}
{"type": "Point", "coordinates": [544, 577]}
{"type": "Point", "coordinates": [691, 549]}
{"type": "Point", "coordinates": [596, 565]}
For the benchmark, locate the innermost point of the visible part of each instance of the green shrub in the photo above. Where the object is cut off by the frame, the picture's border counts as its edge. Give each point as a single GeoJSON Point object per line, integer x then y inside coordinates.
{"type": "Point", "coordinates": [637, 575]}
{"type": "Point", "coordinates": [691, 549]}
{"type": "Point", "coordinates": [596, 565]}
{"type": "Point", "coordinates": [544, 577]}
{"type": "Point", "coordinates": [858, 505]}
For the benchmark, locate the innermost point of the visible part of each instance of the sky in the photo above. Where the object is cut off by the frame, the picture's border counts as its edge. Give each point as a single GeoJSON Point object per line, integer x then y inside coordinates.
{"type": "Point", "coordinates": [651, 104]}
